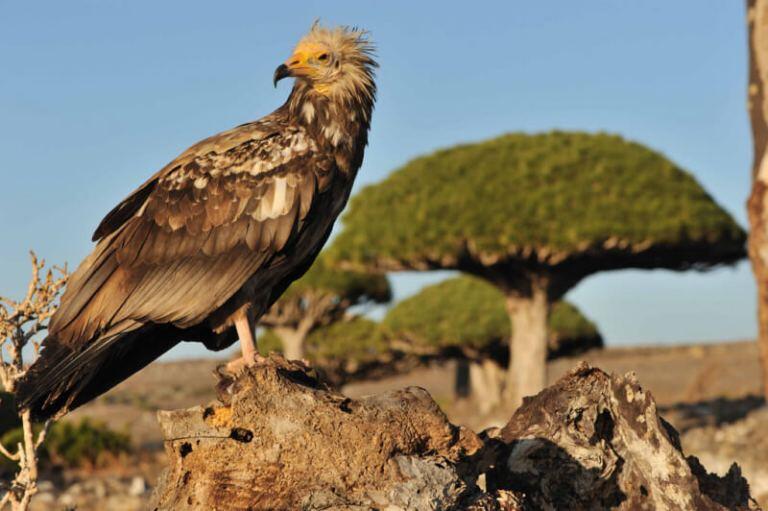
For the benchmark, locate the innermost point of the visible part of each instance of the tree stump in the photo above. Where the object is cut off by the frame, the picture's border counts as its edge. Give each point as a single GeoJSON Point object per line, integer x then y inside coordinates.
{"type": "Point", "coordinates": [279, 439]}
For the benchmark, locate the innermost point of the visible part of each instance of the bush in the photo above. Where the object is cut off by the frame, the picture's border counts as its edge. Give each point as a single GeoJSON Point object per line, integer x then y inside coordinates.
{"type": "Point", "coordinates": [73, 445]}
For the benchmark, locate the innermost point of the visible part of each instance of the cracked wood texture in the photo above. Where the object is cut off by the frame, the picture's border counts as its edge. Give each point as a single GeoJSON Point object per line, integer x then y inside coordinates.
{"type": "Point", "coordinates": [282, 440]}
{"type": "Point", "coordinates": [279, 439]}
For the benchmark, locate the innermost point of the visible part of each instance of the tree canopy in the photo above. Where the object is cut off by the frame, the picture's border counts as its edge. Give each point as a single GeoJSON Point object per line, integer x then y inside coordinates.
{"type": "Point", "coordinates": [543, 198]}
{"type": "Point", "coordinates": [468, 312]}
{"type": "Point", "coordinates": [353, 285]}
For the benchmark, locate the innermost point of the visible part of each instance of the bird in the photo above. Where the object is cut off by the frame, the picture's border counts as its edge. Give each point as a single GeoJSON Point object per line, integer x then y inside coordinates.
{"type": "Point", "coordinates": [208, 243]}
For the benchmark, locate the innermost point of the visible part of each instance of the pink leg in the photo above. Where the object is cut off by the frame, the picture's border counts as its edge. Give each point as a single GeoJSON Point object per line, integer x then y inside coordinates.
{"type": "Point", "coordinates": [247, 342]}
{"type": "Point", "coordinates": [250, 356]}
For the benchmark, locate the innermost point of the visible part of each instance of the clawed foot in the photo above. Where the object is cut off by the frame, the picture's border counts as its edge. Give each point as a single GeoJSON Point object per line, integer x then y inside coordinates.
{"type": "Point", "coordinates": [239, 365]}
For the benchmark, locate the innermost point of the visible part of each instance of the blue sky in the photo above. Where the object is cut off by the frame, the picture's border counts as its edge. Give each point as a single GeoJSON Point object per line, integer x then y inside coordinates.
{"type": "Point", "coordinates": [97, 95]}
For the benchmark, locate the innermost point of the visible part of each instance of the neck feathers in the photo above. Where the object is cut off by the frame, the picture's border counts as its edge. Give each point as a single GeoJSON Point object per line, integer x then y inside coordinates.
{"type": "Point", "coordinates": [341, 115]}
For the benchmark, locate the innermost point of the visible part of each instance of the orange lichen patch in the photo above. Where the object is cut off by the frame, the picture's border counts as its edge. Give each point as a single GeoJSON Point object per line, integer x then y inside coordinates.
{"type": "Point", "coordinates": [220, 417]}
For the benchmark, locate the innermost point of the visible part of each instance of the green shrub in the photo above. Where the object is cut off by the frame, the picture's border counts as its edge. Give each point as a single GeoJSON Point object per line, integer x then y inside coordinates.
{"type": "Point", "coordinates": [75, 444]}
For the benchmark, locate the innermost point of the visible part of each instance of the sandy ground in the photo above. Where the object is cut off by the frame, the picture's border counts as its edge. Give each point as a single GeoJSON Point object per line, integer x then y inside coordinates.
{"type": "Point", "coordinates": [709, 392]}
{"type": "Point", "coordinates": [676, 376]}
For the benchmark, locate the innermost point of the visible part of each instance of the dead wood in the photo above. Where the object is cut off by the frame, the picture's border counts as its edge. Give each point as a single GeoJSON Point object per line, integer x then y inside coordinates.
{"type": "Point", "coordinates": [280, 439]}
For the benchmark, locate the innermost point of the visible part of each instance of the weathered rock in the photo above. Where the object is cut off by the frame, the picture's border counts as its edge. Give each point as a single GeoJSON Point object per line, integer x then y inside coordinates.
{"type": "Point", "coordinates": [594, 441]}
{"type": "Point", "coordinates": [742, 438]}
{"type": "Point", "coordinates": [284, 441]}
{"type": "Point", "coordinates": [280, 439]}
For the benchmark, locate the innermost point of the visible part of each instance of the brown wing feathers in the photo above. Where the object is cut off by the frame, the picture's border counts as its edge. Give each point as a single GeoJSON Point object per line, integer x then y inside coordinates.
{"type": "Point", "coordinates": [172, 253]}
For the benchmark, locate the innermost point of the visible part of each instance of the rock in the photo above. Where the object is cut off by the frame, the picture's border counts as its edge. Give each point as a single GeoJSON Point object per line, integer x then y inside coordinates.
{"type": "Point", "coordinates": [742, 439]}
{"type": "Point", "coordinates": [45, 497]}
{"type": "Point", "coordinates": [67, 501]}
{"type": "Point", "coordinates": [76, 489]}
{"type": "Point", "coordinates": [44, 486]}
{"type": "Point", "coordinates": [98, 488]}
{"type": "Point", "coordinates": [138, 487]}
{"type": "Point", "coordinates": [280, 439]}
{"type": "Point", "coordinates": [594, 441]}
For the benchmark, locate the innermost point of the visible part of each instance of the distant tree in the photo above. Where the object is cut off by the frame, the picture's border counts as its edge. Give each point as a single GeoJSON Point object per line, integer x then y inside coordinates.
{"type": "Point", "coordinates": [340, 348]}
{"type": "Point", "coordinates": [534, 215]}
{"type": "Point", "coordinates": [323, 295]}
{"type": "Point", "coordinates": [757, 21]}
{"type": "Point", "coordinates": [468, 315]}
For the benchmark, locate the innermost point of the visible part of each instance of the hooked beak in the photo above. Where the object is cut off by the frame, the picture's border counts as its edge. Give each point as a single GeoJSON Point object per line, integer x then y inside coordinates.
{"type": "Point", "coordinates": [281, 72]}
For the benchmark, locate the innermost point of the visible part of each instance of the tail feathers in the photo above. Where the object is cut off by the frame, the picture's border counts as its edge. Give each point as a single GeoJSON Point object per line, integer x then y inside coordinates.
{"type": "Point", "coordinates": [65, 377]}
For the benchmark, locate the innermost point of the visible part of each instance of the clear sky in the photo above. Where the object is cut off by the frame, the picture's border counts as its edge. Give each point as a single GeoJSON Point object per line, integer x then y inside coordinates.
{"type": "Point", "coordinates": [97, 95]}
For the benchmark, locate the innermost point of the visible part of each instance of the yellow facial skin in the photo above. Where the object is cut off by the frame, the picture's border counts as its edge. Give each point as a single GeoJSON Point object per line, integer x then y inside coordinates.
{"type": "Point", "coordinates": [311, 61]}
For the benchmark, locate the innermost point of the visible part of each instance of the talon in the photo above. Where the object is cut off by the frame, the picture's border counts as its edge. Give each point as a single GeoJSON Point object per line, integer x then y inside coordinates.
{"type": "Point", "coordinates": [258, 360]}
{"type": "Point", "coordinates": [237, 366]}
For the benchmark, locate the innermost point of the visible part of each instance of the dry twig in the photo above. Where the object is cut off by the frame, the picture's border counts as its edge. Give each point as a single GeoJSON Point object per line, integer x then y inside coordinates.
{"type": "Point", "coordinates": [20, 323]}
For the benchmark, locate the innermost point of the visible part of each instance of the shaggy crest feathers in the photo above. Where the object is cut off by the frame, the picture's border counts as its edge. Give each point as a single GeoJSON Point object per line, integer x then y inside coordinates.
{"type": "Point", "coordinates": [352, 80]}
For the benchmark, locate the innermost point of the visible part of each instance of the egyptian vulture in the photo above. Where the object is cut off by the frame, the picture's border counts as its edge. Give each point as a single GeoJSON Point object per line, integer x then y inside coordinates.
{"type": "Point", "coordinates": [211, 241]}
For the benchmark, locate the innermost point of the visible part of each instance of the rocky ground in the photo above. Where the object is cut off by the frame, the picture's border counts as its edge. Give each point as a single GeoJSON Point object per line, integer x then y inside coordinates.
{"type": "Point", "coordinates": [708, 392]}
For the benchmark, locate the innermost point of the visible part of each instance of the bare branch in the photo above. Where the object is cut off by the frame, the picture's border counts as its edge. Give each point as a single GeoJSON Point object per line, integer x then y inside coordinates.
{"type": "Point", "coordinates": [6, 498]}
{"type": "Point", "coordinates": [20, 322]}
{"type": "Point", "coordinates": [43, 433]}
{"type": "Point", "coordinates": [5, 452]}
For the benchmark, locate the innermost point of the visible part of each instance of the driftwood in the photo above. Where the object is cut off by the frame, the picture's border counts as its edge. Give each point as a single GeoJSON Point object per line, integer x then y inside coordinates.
{"type": "Point", "coordinates": [280, 439]}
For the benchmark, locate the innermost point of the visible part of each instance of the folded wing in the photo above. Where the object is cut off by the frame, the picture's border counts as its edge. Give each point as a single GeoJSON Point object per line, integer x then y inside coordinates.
{"type": "Point", "coordinates": [176, 250]}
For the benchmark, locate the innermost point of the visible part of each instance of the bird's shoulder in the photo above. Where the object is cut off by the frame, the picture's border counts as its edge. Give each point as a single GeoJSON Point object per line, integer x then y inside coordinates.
{"type": "Point", "coordinates": [248, 150]}
{"type": "Point", "coordinates": [229, 163]}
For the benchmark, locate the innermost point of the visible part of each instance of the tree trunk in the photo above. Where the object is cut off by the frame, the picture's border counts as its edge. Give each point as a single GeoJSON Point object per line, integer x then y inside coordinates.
{"type": "Point", "coordinates": [292, 340]}
{"type": "Point", "coordinates": [527, 371]}
{"type": "Point", "coordinates": [462, 385]}
{"type": "Point", "coordinates": [281, 440]}
{"type": "Point", "coordinates": [486, 380]}
{"type": "Point", "coordinates": [757, 16]}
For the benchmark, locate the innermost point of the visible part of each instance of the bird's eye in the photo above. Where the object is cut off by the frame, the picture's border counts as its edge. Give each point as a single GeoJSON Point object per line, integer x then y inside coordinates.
{"type": "Point", "coordinates": [322, 57]}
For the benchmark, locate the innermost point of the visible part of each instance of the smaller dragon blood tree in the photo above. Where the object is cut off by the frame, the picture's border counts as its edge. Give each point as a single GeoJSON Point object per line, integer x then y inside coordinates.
{"type": "Point", "coordinates": [321, 297]}
{"type": "Point", "coordinates": [467, 316]}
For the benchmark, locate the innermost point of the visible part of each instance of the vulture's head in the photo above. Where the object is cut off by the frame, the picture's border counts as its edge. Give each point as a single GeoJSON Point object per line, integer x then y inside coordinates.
{"type": "Point", "coordinates": [333, 62]}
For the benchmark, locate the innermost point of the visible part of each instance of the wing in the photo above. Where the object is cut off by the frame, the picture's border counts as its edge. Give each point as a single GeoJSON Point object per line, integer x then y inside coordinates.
{"type": "Point", "coordinates": [190, 237]}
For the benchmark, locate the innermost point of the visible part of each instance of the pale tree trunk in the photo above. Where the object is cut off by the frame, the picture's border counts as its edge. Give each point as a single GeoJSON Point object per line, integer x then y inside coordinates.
{"type": "Point", "coordinates": [527, 371]}
{"type": "Point", "coordinates": [486, 381]}
{"type": "Point", "coordinates": [757, 16]}
{"type": "Point", "coordinates": [293, 341]}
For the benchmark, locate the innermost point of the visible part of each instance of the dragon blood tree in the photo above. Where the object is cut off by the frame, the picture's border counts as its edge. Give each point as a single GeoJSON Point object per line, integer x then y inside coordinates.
{"type": "Point", "coordinates": [467, 316]}
{"type": "Point", "coordinates": [534, 215]}
{"type": "Point", "coordinates": [322, 296]}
